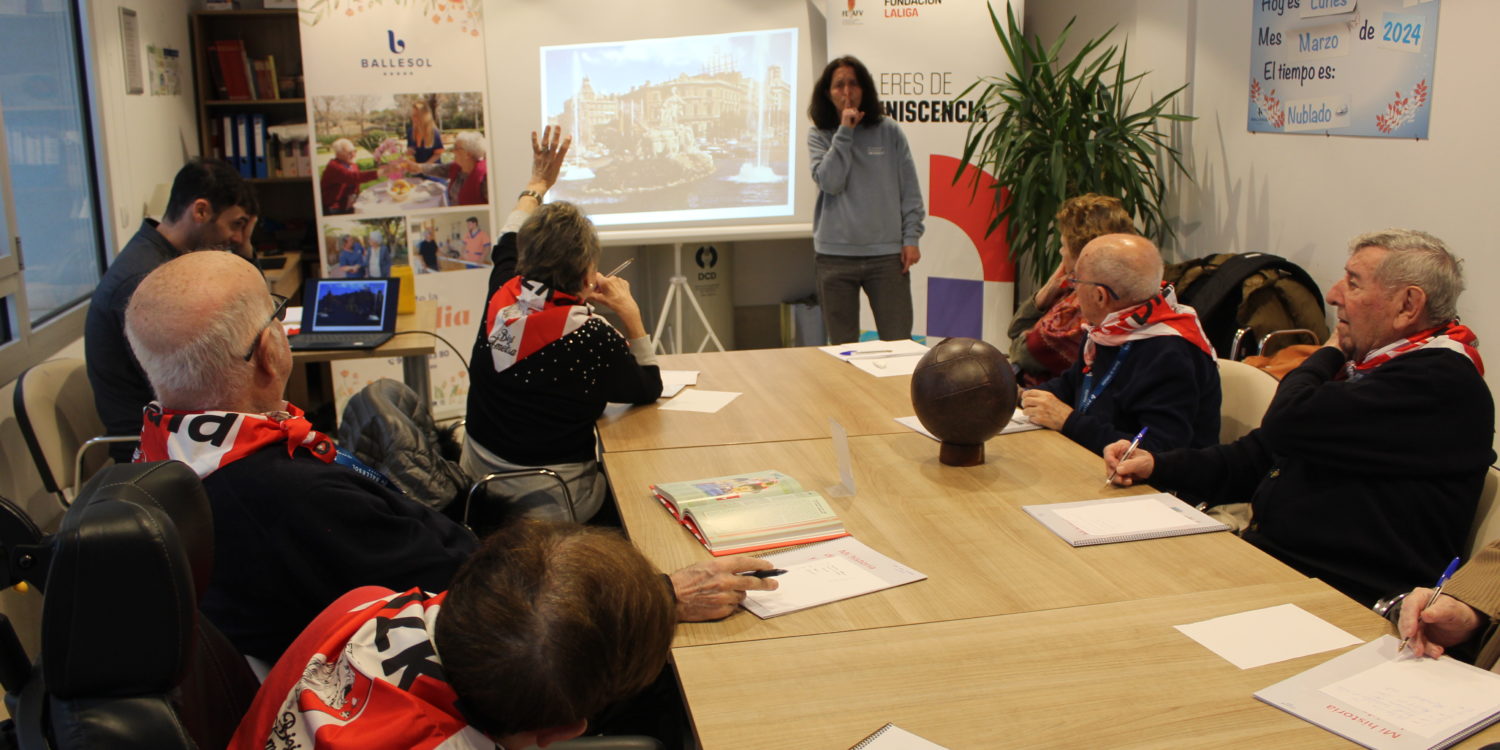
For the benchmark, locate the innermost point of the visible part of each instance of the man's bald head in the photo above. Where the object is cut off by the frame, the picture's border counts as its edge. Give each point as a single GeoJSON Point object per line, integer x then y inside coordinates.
{"type": "Point", "coordinates": [191, 321]}
{"type": "Point", "coordinates": [1129, 264]}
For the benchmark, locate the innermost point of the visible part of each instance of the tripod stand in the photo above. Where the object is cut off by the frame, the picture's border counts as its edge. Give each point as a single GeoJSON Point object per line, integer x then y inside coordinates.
{"type": "Point", "coordinates": [678, 290]}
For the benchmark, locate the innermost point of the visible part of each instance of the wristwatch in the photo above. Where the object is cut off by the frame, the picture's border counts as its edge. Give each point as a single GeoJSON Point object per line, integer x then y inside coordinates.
{"type": "Point", "coordinates": [532, 193]}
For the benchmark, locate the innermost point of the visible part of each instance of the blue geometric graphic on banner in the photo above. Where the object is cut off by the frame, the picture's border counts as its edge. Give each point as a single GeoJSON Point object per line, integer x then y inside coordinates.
{"type": "Point", "coordinates": [955, 307]}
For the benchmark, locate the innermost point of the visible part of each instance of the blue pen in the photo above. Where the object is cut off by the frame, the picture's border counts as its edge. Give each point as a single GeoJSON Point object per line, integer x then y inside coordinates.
{"type": "Point", "coordinates": [852, 352]}
{"type": "Point", "coordinates": [1136, 443]}
{"type": "Point", "coordinates": [1436, 591]}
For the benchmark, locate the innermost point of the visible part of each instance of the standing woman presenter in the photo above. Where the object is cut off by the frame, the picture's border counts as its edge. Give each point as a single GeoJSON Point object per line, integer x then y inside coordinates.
{"type": "Point", "coordinates": [869, 214]}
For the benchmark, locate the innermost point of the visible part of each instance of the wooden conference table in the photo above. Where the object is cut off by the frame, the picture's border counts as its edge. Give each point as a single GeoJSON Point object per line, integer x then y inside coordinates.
{"type": "Point", "coordinates": [1015, 639]}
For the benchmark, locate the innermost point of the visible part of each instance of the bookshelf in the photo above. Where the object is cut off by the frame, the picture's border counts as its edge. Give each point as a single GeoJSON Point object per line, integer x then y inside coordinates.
{"type": "Point", "coordinates": [264, 34]}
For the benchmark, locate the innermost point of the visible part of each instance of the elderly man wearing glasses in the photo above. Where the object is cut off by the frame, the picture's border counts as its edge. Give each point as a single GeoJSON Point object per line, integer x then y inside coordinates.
{"type": "Point", "coordinates": [1145, 363]}
{"type": "Point", "coordinates": [297, 522]}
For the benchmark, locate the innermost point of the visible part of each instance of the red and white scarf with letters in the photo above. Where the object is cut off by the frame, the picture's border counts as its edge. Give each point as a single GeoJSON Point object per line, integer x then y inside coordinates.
{"type": "Point", "coordinates": [210, 440]}
{"type": "Point", "coordinates": [1161, 315]}
{"type": "Point", "coordinates": [1451, 336]}
{"type": "Point", "coordinates": [524, 316]}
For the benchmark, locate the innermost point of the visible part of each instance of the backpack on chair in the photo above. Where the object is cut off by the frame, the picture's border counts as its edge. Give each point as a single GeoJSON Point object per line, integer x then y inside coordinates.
{"type": "Point", "coordinates": [1258, 292]}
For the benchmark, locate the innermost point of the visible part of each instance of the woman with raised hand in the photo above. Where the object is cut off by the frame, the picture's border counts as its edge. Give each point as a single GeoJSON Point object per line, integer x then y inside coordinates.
{"type": "Point", "coordinates": [545, 363]}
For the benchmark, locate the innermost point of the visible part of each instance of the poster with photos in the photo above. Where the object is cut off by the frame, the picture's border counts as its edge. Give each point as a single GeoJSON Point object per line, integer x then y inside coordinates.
{"type": "Point", "coordinates": [399, 127]}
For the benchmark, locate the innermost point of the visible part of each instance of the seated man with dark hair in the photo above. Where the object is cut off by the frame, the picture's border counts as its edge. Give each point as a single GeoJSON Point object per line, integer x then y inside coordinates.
{"type": "Point", "coordinates": [520, 651]}
{"type": "Point", "coordinates": [210, 208]}
{"type": "Point", "coordinates": [297, 522]}
{"type": "Point", "coordinates": [1367, 467]}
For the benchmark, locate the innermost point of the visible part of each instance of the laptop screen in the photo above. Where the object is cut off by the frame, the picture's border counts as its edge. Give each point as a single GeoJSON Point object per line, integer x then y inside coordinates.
{"type": "Point", "coordinates": [352, 305]}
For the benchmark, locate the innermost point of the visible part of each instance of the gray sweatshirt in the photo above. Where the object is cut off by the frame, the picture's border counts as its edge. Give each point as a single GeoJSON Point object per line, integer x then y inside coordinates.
{"type": "Point", "coordinates": [869, 200]}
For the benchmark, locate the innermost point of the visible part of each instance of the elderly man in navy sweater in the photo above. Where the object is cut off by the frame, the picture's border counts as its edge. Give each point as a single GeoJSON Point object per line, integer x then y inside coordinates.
{"type": "Point", "coordinates": [1367, 467]}
{"type": "Point", "coordinates": [1146, 361]}
{"type": "Point", "coordinates": [297, 522]}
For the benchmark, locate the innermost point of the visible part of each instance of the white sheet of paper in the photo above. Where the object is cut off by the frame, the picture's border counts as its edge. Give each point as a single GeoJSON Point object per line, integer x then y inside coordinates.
{"type": "Point", "coordinates": [915, 425]}
{"type": "Point", "coordinates": [872, 348]}
{"type": "Point", "coordinates": [882, 359]}
{"type": "Point", "coordinates": [845, 488]}
{"type": "Point", "coordinates": [1019, 422]}
{"type": "Point", "coordinates": [1265, 636]}
{"type": "Point", "coordinates": [1417, 696]}
{"type": "Point", "coordinates": [1124, 518]}
{"type": "Point", "coordinates": [679, 377]}
{"type": "Point", "coordinates": [825, 580]}
{"type": "Point", "coordinates": [669, 390]}
{"type": "Point", "coordinates": [707, 402]}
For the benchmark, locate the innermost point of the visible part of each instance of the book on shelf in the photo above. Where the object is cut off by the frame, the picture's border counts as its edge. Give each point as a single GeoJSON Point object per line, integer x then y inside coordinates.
{"type": "Point", "coordinates": [1122, 519]}
{"type": "Point", "coordinates": [1384, 699]}
{"type": "Point", "coordinates": [742, 513]}
{"type": "Point", "coordinates": [234, 65]}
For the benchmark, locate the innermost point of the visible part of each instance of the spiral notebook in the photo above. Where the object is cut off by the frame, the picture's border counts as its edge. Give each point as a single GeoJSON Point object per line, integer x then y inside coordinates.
{"type": "Point", "coordinates": [1122, 519]}
{"type": "Point", "coordinates": [1386, 700]}
{"type": "Point", "coordinates": [892, 737]}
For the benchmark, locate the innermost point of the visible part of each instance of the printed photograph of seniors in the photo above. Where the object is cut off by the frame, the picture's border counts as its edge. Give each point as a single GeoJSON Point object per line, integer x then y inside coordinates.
{"type": "Point", "coordinates": [449, 241]}
{"type": "Point", "coordinates": [364, 248]}
{"type": "Point", "coordinates": [384, 153]}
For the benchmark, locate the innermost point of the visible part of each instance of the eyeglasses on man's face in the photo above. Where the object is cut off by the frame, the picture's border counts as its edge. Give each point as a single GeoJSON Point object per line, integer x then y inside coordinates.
{"type": "Point", "coordinates": [1105, 287]}
{"type": "Point", "coordinates": [277, 315]}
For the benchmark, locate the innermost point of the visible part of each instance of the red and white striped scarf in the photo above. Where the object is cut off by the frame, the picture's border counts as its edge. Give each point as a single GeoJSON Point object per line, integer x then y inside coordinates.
{"type": "Point", "coordinates": [210, 440]}
{"type": "Point", "coordinates": [524, 316]}
{"type": "Point", "coordinates": [1451, 336]}
{"type": "Point", "coordinates": [1161, 315]}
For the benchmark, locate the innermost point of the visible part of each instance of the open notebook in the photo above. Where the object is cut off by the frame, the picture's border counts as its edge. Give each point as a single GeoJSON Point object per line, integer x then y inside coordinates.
{"type": "Point", "coordinates": [1386, 700]}
{"type": "Point", "coordinates": [1122, 519]}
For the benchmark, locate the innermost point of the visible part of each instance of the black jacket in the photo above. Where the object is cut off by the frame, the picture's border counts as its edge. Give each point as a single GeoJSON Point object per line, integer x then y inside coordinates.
{"type": "Point", "coordinates": [1369, 485]}
{"type": "Point", "coordinates": [541, 410]}
{"type": "Point", "coordinates": [1164, 383]}
{"type": "Point", "coordinates": [121, 390]}
{"type": "Point", "coordinates": [292, 534]}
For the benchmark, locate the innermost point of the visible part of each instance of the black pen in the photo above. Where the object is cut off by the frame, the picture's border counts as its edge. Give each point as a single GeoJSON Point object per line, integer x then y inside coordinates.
{"type": "Point", "coordinates": [772, 573]}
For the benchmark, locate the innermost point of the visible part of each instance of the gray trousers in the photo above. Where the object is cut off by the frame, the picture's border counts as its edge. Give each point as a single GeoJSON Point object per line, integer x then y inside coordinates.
{"type": "Point", "coordinates": [840, 277]}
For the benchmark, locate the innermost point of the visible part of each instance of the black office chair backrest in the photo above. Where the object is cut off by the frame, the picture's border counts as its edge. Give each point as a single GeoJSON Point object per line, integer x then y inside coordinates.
{"type": "Point", "coordinates": [127, 661]}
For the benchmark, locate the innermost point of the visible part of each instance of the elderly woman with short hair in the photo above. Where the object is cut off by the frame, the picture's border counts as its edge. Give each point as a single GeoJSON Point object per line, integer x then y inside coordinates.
{"type": "Point", "coordinates": [544, 363]}
{"type": "Point", "coordinates": [466, 174]}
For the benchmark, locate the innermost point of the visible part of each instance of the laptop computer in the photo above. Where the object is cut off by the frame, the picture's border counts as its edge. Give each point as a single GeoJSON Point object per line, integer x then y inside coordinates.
{"type": "Point", "coordinates": [347, 314]}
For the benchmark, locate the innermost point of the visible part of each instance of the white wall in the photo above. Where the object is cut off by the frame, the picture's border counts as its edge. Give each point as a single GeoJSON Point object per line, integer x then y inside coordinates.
{"type": "Point", "coordinates": [146, 138]}
{"type": "Point", "coordinates": [1302, 196]}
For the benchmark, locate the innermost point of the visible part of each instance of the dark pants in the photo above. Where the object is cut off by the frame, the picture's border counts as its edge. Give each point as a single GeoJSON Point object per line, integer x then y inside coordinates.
{"type": "Point", "coordinates": [840, 277]}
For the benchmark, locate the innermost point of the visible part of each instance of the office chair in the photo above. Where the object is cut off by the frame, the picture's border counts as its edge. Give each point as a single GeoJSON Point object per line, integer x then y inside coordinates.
{"type": "Point", "coordinates": [1247, 393]}
{"type": "Point", "coordinates": [1487, 516]}
{"type": "Point", "coordinates": [126, 660]}
{"type": "Point", "coordinates": [486, 509]}
{"type": "Point", "coordinates": [54, 406]}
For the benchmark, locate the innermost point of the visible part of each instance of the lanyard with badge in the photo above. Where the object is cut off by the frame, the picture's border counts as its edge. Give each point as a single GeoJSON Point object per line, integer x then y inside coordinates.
{"type": "Point", "coordinates": [1086, 396]}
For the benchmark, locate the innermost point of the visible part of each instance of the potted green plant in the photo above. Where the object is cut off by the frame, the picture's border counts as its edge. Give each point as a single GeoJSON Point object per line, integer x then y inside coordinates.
{"type": "Point", "coordinates": [1055, 129]}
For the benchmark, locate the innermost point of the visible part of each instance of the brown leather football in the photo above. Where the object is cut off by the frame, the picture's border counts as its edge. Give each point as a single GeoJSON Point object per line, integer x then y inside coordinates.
{"type": "Point", "coordinates": [964, 391]}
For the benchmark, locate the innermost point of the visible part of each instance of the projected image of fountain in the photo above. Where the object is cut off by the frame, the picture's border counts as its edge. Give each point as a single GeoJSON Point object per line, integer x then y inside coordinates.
{"type": "Point", "coordinates": [759, 171]}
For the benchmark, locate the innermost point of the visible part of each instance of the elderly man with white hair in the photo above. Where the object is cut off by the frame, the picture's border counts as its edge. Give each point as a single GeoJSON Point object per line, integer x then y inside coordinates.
{"type": "Point", "coordinates": [1367, 467]}
{"type": "Point", "coordinates": [341, 179]}
{"type": "Point", "coordinates": [1146, 362]}
{"type": "Point", "coordinates": [297, 522]}
{"type": "Point", "coordinates": [466, 175]}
